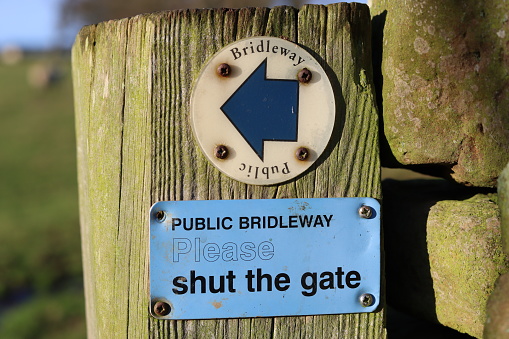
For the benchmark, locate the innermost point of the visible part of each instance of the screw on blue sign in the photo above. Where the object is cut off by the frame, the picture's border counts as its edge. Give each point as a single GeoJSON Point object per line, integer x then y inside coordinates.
{"type": "Point", "coordinates": [264, 109]}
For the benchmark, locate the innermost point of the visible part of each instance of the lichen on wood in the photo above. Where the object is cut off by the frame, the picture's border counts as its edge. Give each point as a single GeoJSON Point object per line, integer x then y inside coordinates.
{"type": "Point", "coordinates": [132, 80]}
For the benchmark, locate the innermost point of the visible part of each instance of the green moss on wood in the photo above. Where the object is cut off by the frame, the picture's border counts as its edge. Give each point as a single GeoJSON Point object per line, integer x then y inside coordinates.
{"type": "Point", "coordinates": [133, 80]}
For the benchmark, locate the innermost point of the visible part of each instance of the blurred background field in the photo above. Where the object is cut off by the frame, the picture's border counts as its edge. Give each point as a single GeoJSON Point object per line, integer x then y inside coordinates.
{"type": "Point", "coordinates": [41, 294]}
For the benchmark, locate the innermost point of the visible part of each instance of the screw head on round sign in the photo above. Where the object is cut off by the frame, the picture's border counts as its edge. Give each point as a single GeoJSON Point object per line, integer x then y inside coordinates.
{"type": "Point", "coordinates": [264, 98]}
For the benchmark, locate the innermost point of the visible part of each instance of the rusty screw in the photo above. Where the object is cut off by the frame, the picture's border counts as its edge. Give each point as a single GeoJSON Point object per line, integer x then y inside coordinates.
{"type": "Point", "coordinates": [224, 70]}
{"type": "Point", "coordinates": [305, 75]}
{"type": "Point", "coordinates": [302, 153]}
{"type": "Point", "coordinates": [367, 300]}
{"type": "Point", "coordinates": [160, 216]}
{"type": "Point", "coordinates": [221, 152]}
{"type": "Point", "coordinates": [365, 212]}
{"type": "Point", "coordinates": [161, 309]}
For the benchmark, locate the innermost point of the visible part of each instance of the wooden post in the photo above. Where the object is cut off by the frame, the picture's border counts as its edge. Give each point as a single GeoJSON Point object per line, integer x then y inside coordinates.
{"type": "Point", "coordinates": [132, 79]}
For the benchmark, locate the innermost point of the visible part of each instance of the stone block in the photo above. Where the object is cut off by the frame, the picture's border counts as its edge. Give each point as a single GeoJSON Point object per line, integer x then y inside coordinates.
{"type": "Point", "coordinates": [444, 85]}
{"type": "Point", "coordinates": [443, 251]}
{"type": "Point", "coordinates": [497, 322]}
{"type": "Point", "coordinates": [503, 201]}
{"type": "Point", "coordinates": [466, 258]}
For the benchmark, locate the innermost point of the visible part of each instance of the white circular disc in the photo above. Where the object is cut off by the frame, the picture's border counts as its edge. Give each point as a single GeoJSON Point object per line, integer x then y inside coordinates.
{"type": "Point", "coordinates": [260, 112]}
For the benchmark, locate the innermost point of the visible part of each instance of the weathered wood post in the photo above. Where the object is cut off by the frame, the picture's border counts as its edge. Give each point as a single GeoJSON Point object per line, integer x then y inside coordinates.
{"type": "Point", "coordinates": [133, 80]}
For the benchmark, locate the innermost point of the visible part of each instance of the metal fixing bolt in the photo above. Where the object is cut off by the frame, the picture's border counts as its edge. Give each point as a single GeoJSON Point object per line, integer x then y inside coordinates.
{"type": "Point", "coordinates": [224, 70]}
{"type": "Point", "coordinates": [305, 75]}
{"type": "Point", "coordinates": [160, 216]}
{"type": "Point", "coordinates": [367, 300]}
{"type": "Point", "coordinates": [161, 309]}
{"type": "Point", "coordinates": [302, 153]}
{"type": "Point", "coordinates": [365, 212]}
{"type": "Point", "coordinates": [221, 152]}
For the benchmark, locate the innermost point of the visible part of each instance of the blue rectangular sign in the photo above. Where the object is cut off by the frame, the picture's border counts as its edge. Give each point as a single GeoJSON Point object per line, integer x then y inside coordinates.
{"type": "Point", "coordinates": [260, 258]}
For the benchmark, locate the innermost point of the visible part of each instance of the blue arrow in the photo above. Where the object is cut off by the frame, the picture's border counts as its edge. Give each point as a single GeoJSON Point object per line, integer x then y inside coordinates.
{"type": "Point", "coordinates": [264, 109]}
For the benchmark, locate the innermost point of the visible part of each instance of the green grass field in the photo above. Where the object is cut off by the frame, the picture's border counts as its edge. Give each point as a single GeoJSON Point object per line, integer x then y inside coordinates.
{"type": "Point", "coordinates": [41, 293]}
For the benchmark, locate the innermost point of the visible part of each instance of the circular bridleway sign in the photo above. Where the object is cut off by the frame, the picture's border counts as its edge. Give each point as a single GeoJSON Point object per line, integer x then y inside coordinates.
{"type": "Point", "coordinates": [262, 110]}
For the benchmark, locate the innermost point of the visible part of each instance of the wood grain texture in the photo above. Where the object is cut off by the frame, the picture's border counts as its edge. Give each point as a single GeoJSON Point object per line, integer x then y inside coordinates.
{"type": "Point", "coordinates": [133, 80]}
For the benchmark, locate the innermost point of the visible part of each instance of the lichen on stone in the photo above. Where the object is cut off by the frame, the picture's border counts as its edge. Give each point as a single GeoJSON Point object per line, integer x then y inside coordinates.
{"type": "Point", "coordinates": [466, 258]}
{"type": "Point", "coordinates": [446, 85]}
